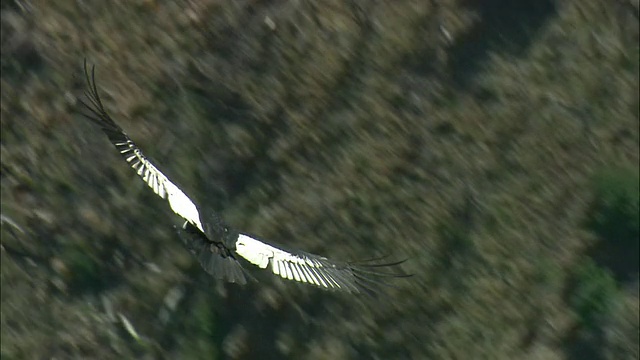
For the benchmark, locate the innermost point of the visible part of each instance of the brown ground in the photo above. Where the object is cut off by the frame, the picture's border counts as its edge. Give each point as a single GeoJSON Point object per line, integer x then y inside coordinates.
{"type": "Point", "coordinates": [496, 145]}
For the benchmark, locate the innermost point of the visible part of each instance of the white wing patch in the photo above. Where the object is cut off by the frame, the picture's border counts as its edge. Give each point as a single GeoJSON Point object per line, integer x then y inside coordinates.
{"type": "Point", "coordinates": [158, 182]}
{"type": "Point", "coordinates": [302, 268]}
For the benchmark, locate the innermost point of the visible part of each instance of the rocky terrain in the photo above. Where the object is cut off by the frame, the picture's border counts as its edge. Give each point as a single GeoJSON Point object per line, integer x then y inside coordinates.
{"type": "Point", "coordinates": [493, 143]}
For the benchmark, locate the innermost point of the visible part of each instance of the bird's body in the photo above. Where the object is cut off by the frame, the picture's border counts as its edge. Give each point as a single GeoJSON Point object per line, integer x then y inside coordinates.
{"type": "Point", "coordinates": [218, 247]}
{"type": "Point", "coordinates": [214, 249]}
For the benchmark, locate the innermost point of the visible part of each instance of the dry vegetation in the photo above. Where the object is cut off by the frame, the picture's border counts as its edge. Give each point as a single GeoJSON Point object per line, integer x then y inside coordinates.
{"type": "Point", "coordinates": [494, 144]}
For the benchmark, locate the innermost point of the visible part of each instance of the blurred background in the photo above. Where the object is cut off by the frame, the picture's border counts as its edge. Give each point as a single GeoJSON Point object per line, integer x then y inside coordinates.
{"type": "Point", "coordinates": [494, 143]}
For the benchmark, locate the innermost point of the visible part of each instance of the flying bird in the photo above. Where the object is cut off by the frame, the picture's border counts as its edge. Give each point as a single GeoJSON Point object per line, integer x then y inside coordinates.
{"type": "Point", "coordinates": [217, 246]}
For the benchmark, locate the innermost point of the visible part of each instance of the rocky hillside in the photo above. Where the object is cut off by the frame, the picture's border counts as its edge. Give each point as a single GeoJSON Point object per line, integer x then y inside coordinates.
{"type": "Point", "coordinates": [493, 143]}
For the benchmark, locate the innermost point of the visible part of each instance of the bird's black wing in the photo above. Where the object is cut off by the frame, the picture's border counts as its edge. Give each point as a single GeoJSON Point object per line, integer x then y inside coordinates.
{"type": "Point", "coordinates": [352, 277]}
{"type": "Point", "coordinates": [161, 185]}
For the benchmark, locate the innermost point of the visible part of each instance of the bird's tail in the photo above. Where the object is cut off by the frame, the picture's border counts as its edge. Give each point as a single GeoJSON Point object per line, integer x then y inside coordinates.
{"type": "Point", "coordinates": [215, 260]}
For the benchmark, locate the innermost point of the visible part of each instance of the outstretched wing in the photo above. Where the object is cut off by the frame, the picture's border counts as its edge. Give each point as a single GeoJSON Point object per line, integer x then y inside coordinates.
{"type": "Point", "coordinates": [161, 185]}
{"type": "Point", "coordinates": [313, 269]}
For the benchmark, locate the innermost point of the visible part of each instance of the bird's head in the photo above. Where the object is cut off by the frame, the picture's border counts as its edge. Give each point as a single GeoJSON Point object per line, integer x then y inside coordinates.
{"type": "Point", "coordinates": [217, 230]}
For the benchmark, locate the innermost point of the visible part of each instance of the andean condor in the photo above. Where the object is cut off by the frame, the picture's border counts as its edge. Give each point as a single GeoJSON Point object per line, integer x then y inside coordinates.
{"type": "Point", "coordinates": [216, 245]}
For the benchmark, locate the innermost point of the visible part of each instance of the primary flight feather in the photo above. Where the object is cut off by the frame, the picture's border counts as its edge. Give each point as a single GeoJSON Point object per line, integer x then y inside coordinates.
{"type": "Point", "coordinates": [218, 247]}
